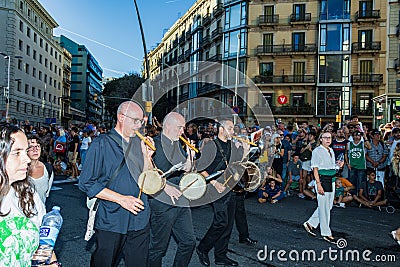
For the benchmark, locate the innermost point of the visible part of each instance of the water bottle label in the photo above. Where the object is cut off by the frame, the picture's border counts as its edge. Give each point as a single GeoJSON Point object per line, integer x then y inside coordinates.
{"type": "Point", "coordinates": [48, 235]}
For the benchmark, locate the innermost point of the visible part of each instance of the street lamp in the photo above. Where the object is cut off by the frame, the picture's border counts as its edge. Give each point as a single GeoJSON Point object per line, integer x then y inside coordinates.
{"type": "Point", "coordinates": [6, 91]}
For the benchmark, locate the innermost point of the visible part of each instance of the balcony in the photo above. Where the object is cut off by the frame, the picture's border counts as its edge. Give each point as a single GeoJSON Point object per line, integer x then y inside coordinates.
{"type": "Point", "coordinates": [175, 43]}
{"type": "Point", "coordinates": [182, 39]}
{"type": "Point", "coordinates": [188, 34]}
{"type": "Point", "coordinates": [396, 64]}
{"type": "Point", "coordinates": [181, 58]}
{"type": "Point", "coordinates": [298, 49]}
{"type": "Point", "coordinates": [67, 67]}
{"type": "Point", "coordinates": [361, 111]}
{"type": "Point", "coordinates": [218, 10]}
{"type": "Point", "coordinates": [216, 58]}
{"type": "Point", "coordinates": [272, 79]}
{"type": "Point", "coordinates": [366, 47]}
{"type": "Point", "coordinates": [206, 19]}
{"type": "Point", "coordinates": [184, 96]}
{"type": "Point", "coordinates": [66, 81]}
{"type": "Point", "coordinates": [268, 20]}
{"type": "Point", "coordinates": [367, 15]}
{"type": "Point", "coordinates": [292, 110]}
{"type": "Point", "coordinates": [216, 34]}
{"type": "Point", "coordinates": [300, 18]}
{"type": "Point", "coordinates": [187, 54]}
{"type": "Point", "coordinates": [206, 40]}
{"type": "Point", "coordinates": [367, 79]}
{"type": "Point", "coordinates": [208, 88]}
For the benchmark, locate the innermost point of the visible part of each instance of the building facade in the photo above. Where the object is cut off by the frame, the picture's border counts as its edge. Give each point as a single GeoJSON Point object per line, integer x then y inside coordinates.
{"type": "Point", "coordinates": [312, 60]}
{"type": "Point", "coordinates": [31, 65]}
{"type": "Point", "coordinates": [86, 81]}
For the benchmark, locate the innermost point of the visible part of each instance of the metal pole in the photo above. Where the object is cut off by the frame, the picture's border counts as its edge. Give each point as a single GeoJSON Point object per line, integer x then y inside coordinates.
{"type": "Point", "coordinates": [8, 88]}
{"type": "Point", "coordinates": [235, 102]}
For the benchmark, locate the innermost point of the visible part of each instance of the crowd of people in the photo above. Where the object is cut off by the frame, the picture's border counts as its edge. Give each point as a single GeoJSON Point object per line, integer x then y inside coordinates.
{"type": "Point", "coordinates": [334, 166]}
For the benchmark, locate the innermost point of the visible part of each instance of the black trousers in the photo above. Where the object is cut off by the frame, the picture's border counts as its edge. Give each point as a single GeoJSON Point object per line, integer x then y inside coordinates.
{"type": "Point", "coordinates": [164, 221]}
{"type": "Point", "coordinates": [134, 245]}
{"type": "Point", "coordinates": [240, 216]}
{"type": "Point", "coordinates": [218, 234]}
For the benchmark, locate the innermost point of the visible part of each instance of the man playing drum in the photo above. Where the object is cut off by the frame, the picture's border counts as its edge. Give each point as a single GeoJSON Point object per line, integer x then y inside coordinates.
{"type": "Point", "coordinates": [170, 212]}
{"type": "Point", "coordinates": [216, 156]}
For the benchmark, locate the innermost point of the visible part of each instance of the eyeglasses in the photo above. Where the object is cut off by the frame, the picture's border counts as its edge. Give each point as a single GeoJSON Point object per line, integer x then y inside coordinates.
{"type": "Point", "coordinates": [135, 120]}
{"type": "Point", "coordinates": [326, 137]}
{"type": "Point", "coordinates": [31, 148]}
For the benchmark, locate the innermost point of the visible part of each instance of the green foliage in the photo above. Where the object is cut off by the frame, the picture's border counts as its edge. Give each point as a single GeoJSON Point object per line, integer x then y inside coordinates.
{"type": "Point", "coordinates": [119, 90]}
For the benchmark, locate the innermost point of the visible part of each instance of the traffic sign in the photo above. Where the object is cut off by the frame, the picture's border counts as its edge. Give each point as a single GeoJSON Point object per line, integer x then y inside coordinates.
{"type": "Point", "coordinates": [236, 110]}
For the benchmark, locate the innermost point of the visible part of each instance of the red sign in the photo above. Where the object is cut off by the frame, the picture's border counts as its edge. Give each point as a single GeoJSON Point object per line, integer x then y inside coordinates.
{"type": "Point", "coordinates": [282, 99]}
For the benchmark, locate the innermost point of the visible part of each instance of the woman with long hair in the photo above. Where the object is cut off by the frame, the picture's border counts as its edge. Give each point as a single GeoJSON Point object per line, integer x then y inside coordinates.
{"type": "Point", "coordinates": [40, 173]}
{"type": "Point", "coordinates": [21, 210]}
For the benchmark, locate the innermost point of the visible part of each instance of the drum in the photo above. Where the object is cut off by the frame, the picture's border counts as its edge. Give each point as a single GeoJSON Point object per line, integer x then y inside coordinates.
{"type": "Point", "coordinates": [242, 176]}
{"type": "Point", "coordinates": [193, 185]}
{"type": "Point", "coordinates": [151, 181]}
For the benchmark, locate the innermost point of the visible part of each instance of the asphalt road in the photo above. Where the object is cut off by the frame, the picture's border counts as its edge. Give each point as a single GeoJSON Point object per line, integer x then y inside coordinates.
{"type": "Point", "coordinates": [282, 240]}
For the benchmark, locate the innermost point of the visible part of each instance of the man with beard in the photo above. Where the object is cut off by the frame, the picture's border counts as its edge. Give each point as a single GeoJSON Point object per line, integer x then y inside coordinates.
{"type": "Point", "coordinates": [339, 148]}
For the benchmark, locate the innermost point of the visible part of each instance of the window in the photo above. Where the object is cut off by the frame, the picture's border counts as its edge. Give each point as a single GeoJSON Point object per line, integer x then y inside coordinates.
{"type": "Point", "coordinates": [232, 42]}
{"type": "Point", "coordinates": [40, 75]}
{"type": "Point", "coordinates": [299, 70]}
{"type": "Point", "coordinates": [28, 32]}
{"type": "Point", "coordinates": [29, 13]}
{"type": "Point", "coordinates": [26, 107]}
{"type": "Point", "coordinates": [21, 26]}
{"type": "Point", "coordinates": [27, 68]}
{"type": "Point", "coordinates": [298, 41]}
{"type": "Point", "coordinates": [299, 12]}
{"type": "Point", "coordinates": [236, 15]}
{"type": "Point", "coordinates": [49, 97]}
{"type": "Point", "coordinates": [20, 45]}
{"type": "Point", "coordinates": [41, 42]}
{"type": "Point", "coordinates": [19, 86]}
{"type": "Point", "coordinates": [46, 47]}
{"type": "Point", "coordinates": [298, 100]}
{"type": "Point", "coordinates": [33, 91]}
{"type": "Point", "coordinates": [28, 50]}
{"type": "Point", "coordinates": [40, 59]}
{"type": "Point", "coordinates": [55, 69]}
{"type": "Point", "coordinates": [55, 55]}
{"type": "Point", "coordinates": [44, 95]}
{"type": "Point", "coordinates": [34, 54]}
{"type": "Point", "coordinates": [19, 64]}
{"type": "Point", "coordinates": [364, 101]}
{"type": "Point", "coordinates": [365, 8]}
{"type": "Point", "coordinates": [335, 9]}
{"type": "Point", "coordinates": [50, 80]}
{"type": "Point", "coordinates": [365, 67]}
{"type": "Point", "coordinates": [333, 68]}
{"type": "Point", "coordinates": [26, 88]}
{"type": "Point", "coordinates": [54, 83]}
{"type": "Point", "coordinates": [51, 51]}
{"type": "Point", "coordinates": [365, 39]}
{"type": "Point", "coordinates": [335, 37]}
{"type": "Point", "coordinates": [51, 66]}
{"type": "Point", "coordinates": [35, 37]}
{"type": "Point", "coordinates": [39, 93]}
{"type": "Point", "coordinates": [17, 107]}
{"type": "Point", "coordinates": [34, 72]}
{"type": "Point", "coordinates": [45, 62]}
{"type": "Point", "coordinates": [267, 69]}
{"type": "Point", "coordinates": [21, 5]}
{"type": "Point", "coordinates": [268, 42]}
{"type": "Point", "coordinates": [45, 78]}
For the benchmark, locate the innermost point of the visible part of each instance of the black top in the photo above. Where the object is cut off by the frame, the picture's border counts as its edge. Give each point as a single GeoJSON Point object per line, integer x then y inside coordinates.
{"type": "Point", "coordinates": [102, 159]}
{"type": "Point", "coordinates": [74, 140]}
{"type": "Point", "coordinates": [167, 154]}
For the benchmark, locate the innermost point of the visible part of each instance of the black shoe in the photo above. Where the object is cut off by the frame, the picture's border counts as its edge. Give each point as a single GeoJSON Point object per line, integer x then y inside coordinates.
{"type": "Point", "coordinates": [330, 239]}
{"type": "Point", "coordinates": [226, 261]}
{"type": "Point", "coordinates": [309, 229]}
{"type": "Point", "coordinates": [248, 241]}
{"type": "Point", "coordinates": [203, 257]}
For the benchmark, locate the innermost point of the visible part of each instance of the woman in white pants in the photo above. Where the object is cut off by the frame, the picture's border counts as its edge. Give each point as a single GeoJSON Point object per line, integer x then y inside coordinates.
{"type": "Point", "coordinates": [324, 168]}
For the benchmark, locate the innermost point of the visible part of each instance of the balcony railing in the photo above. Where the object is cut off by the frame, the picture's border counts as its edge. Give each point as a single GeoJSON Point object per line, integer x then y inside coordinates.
{"type": "Point", "coordinates": [292, 110]}
{"type": "Point", "coordinates": [287, 49]}
{"type": "Point", "coordinates": [366, 47]}
{"type": "Point", "coordinates": [175, 43]}
{"type": "Point", "coordinates": [265, 20]}
{"type": "Point", "coordinates": [216, 58]}
{"type": "Point", "coordinates": [206, 40]}
{"type": "Point", "coordinates": [361, 111]}
{"type": "Point", "coordinates": [367, 79]}
{"type": "Point", "coordinates": [187, 53]}
{"type": "Point", "coordinates": [182, 38]}
{"type": "Point", "coordinates": [65, 80]}
{"type": "Point", "coordinates": [188, 34]}
{"type": "Point", "coordinates": [207, 89]}
{"type": "Point", "coordinates": [181, 57]}
{"type": "Point", "coordinates": [217, 33]}
{"type": "Point", "coordinates": [206, 19]}
{"type": "Point", "coordinates": [261, 79]}
{"type": "Point", "coordinates": [295, 18]}
{"type": "Point", "coordinates": [218, 10]}
{"type": "Point", "coordinates": [368, 14]}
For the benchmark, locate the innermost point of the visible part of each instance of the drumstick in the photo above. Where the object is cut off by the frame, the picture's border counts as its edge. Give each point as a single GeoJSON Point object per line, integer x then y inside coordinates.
{"type": "Point", "coordinates": [189, 185]}
{"type": "Point", "coordinates": [141, 186]}
{"type": "Point", "coordinates": [192, 147]}
{"type": "Point", "coordinates": [227, 180]}
{"type": "Point", "coordinates": [146, 141]}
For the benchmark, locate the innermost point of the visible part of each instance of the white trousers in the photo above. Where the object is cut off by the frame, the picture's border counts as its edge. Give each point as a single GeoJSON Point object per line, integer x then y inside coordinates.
{"type": "Point", "coordinates": [322, 214]}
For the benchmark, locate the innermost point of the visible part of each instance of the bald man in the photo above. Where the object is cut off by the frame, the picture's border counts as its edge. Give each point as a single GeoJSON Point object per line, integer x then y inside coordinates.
{"type": "Point", "coordinates": [170, 210]}
{"type": "Point", "coordinates": [122, 219]}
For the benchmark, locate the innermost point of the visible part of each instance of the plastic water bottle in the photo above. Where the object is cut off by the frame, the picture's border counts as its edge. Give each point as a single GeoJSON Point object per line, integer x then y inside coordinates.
{"type": "Point", "coordinates": [51, 225]}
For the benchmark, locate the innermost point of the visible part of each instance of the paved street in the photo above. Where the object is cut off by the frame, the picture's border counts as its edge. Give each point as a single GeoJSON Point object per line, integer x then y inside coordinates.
{"type": "Point", "coordinates": [277, 227]}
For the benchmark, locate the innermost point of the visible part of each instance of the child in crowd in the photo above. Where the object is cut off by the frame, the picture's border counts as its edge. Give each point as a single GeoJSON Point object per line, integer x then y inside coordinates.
{"type": "Point", "coordinates": [339, 194]}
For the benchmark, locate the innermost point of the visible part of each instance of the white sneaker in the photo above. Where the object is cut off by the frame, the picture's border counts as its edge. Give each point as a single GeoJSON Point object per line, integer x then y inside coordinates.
{"type": "Point", "coordinates": [80, 167]}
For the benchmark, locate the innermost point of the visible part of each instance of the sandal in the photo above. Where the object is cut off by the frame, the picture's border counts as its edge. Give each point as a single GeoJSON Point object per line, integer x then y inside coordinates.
{"type": "Point", "coordinates": [330, 239]}
{"type": "Point", "coordinates": [309, 229]}
{"type": "Point", "coordinates": [393, 235]}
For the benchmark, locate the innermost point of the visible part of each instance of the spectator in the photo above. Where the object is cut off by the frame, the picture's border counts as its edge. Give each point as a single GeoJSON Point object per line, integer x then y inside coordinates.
{"type": "Point", "coordinates": [341, 198]}
{"type": "Point", "coordinates": [271, 193]}
{"type": "Point", "coordinates": [339, 145]}
{"type": "Point", "coordinates": [355, 159]}
{"type": "Point", "coordinates": [396, 166]}
{"type": "Point", "coordinates": [309, 144]}
{"type": "Point", "coordinates": [371, 192]}
{"type": "Point", "coordinates": [310, 190]}
{"type": "Point", "coordinates": [73, 153]}
{"type": "Point", "coordinates": [21, 210]}
{"type": "Point", "coordinates": [278, 153]}
{"type": "Point", "coordinates": [376, 156]}
{"type": "Point", "coordinates": [86, 141]}
{"type": "Point", "coordinates": [287, 146]}
{"type": "Point", "coordinates": [60, 139]}
{"type": "Point", "coordinates": [40, 173]}
{"type": "Point", "coordinates": [294, 170]}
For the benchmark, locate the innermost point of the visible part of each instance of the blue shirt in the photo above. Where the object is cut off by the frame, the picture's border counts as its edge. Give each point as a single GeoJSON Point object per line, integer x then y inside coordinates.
{"type": "Point", "coordinates": [102, 159]}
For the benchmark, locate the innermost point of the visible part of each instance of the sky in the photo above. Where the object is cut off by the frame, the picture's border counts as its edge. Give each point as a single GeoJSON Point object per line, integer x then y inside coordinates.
{"type": "Point", "coordinates": [110, 28]}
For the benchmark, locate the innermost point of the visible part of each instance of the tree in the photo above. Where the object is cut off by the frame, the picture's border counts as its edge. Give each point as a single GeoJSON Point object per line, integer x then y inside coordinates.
{"type": "Point", "coordinates": [119, 90]}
